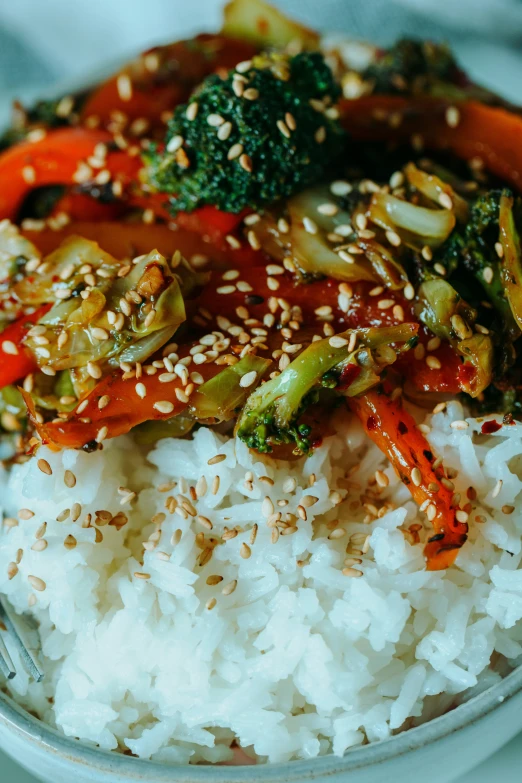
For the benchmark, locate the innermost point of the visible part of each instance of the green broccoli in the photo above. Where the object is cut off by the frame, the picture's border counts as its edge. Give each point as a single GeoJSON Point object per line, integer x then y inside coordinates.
{"type": "Point", "coordinates": [272, 413]}
{"type": "Point", "coordinates": [44, 114]}
{"type": "Point", "coordinates": [411, 66]}
{"type": "Point", "coordinates": [262, 133]}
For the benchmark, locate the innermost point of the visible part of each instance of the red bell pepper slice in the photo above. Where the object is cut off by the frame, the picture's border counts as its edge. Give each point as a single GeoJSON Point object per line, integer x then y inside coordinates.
{"type": "Point", "coordinates": [489, 133]}
{"type": "Point", "coordinates": [394, 431]}
{"type": "Point", "coordinates": [14, 366]}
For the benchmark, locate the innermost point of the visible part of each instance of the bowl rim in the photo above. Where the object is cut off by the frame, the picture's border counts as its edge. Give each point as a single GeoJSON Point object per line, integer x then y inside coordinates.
{"type": "Point", "coordinates": [28, 728]}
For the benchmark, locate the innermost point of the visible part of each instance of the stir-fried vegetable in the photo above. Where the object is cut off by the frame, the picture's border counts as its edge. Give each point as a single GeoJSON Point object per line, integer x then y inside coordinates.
{"type": "Point", "coordinates": [350, 362]}
{"type": "Point", "coordinates": [511, 263]}
{"type": "Point", "coordinates": [264, 25]}
{"type": "Point", "coordinates": [417, 226]}
{"type": "Point", "coordinates": [15, 359]}
{"type": "Point", "coordinates": [437, 190]}
{"type": "Point", "coordinates": [448, 316]}
{"type": "Point", "coordinates": [223, 396]}
{"type": "Point", "coordinates": [394, 430]}
{"type": "Point", "coordinates": [232, 147]}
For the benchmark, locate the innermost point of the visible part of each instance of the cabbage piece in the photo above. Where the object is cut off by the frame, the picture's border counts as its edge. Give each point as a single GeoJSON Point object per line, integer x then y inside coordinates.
{"type": "Point", "coordinates": [262, 24]}
{"type": "Point", "coordinates": [448, 316]}
{"type": "Point", "coordinates": [433, 188]}
{"type": "Point", "coordinates": [15, 251]}
{"type": "Point", "coordinates": [222, 396]}
{"type": "Point", "coordinates": [121, 319]}
{"type": "Point", "coordinates": [417, 226]}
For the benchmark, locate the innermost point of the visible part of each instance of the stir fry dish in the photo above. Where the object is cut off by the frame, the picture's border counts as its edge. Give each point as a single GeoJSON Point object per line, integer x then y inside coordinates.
{"type": "Point", "coordinates": [241, 230]}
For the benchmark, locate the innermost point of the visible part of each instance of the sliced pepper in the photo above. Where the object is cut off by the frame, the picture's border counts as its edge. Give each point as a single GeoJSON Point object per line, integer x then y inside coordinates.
{"type": "Point", "coordinates": [395, 432]}
{"type": "Point", "coordinates": [14, 366]}
{"type": "Point", "coordinates": [489, 133]}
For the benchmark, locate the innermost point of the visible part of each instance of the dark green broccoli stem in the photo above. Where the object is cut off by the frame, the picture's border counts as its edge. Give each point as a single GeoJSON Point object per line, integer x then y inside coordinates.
{"type": "Point", "coordinates": [273, 411]}
{"type": "Point", "coordinates": [253, 137]}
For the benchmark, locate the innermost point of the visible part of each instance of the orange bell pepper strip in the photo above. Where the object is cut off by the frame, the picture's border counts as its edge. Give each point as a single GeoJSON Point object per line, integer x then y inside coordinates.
{"type": "Point", "coordinates": [54, 160]}
{"type": "Point", "coordinates": [163, 77]}
{"type": "Point", "coordinates": [489, 133]}
{"type": "Point", "coordinates": [114, 407]}
{"type": "Point", "coordinates": [394, 431]}
{"type": "Point", "coordinates": [14, 366]}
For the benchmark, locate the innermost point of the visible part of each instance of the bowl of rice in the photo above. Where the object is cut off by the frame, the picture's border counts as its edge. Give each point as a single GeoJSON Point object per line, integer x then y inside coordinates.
{"type": "Point", "coordinates": [260, 466]}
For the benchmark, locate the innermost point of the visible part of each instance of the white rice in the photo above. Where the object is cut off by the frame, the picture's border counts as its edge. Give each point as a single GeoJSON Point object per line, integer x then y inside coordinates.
{"type": "Point", "coordinates": [301, 659]}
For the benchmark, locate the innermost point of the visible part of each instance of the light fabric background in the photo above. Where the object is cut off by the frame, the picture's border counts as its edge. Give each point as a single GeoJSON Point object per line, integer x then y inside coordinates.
{"type": "Point", "coordinates": [46, 43]}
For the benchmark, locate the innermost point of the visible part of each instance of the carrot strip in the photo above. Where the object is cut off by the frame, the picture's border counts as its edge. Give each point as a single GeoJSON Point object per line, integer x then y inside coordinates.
{"type": "Point", "coordinates": [394, 431]}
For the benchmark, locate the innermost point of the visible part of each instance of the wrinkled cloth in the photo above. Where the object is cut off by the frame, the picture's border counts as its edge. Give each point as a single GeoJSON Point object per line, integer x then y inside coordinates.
{"type": "Point", "coordinates": [45, 44]}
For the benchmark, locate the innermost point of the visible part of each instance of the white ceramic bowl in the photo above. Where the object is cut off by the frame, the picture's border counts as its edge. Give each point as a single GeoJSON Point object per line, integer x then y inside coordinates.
{"type": "Point", "coordinates": [437, 752]}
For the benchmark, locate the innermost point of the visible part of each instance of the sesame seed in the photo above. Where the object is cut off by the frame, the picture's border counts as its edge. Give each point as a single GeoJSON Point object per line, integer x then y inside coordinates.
{"type": "Point", "coordinates": [217, 458]}
{"type": "Point", "coordinates": [431, 512]}
{"type": "Point", "coordinates": [175, 143]}
{"type": "Point", "coordinates": [251, 94]}
{"type": "Point", "coordinates": [245, 161]}
{"type": "Point", "coordinates": [181, 395]}
{"type": "Point", "coordinates": [28, 174]}
{"type": "Point", "coordinates": [124, 87]}
{"type": "Point", "coordinates": [309, 225]}
{"type": "Point", "coordinates": [353, 573]}
{"type": "Point", "coordinates": [39, 545]}
{"type": "Point", "coordinates": [235, 151]}
{"type": "Point", "coordinates": [44, 466]}
{"type": "Point", "coordinates": [290, 121]}
{"type": "Point", "coordinates": [340, 188]}
{"type": "Point", "coordinates": [37, 583]}
{"type": "Point", "coordinates": [94, 370]}
{"type": "Point", "coordinates": [409, 291]}
{"type": "Point", "coordinates": [192, 111]}
{"type": "Point", "coordinates": [283, 128]}
{"type": "Point", "coordinates": [416, 477]}
{"type": "Point", "coordinates": [211, 604]}
{"type": "Point", "coordinates": [99, 334]}
{"type": "Point", "coordinates": [433, 363]}
{"type": "Point", "coordinates": [460, 326]}
{"type": "Point", "coordinates": [381, 478]}
{"type": "Point", "coordinates": [248, 379]}
{"type": "Point", "coordinates": [337, 342]}
{"type": "Point", "coordinates": [102, 434]}
{"type": "Point", "coordinates": [396, 179]}
{"type": "Point", "coordinates": [12, 570]}
{"type": "Point", "coordinates": [385, 304]}
{"type": "Point", "coordinates": [163, 406]}
{"type": "Point", "coordinates": [215, 120]}
{"type": "Point", "coordinates": [328, 209]}
{"type": "Point", "coordinates": [141, 390]}
{"type": "Point", "coordinates": [224, 131]}
{"type": "Point", "coordinates": [141, 575]}
{"type": "Point", "coordinates": [244, 66]}
{"type": "Point", "coordinates": [461, 516]}
{"type": "Point", "coordinates": [229, 588]}
{"type": "Point", "coordinates": [393, 238]}
{"type": "Point", "coordinates": [320, 135]}
{"type": "Point", "coordinates": [253, 241]}
{"type": "Point", "coordinates": [245, 551]}
{"type": "Point", "coordinates": [226, 289]}
{"type": "Point", "coordinates": [488, 274]}
{"type": "Point", "coordinates": [433, 344]}
{"type": "Point", "coordinates": [10, 348]}
{"type": "Point", "coordinates": [452, 116]}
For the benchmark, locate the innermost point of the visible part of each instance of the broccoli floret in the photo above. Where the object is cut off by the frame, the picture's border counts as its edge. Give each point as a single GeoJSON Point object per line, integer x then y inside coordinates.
{"type": "Point", "coordinates": [411, 66]}
{"type": "Point", "coordinates": [273, 411]}
{"type": "Point", "coordinates": [253, 137]}
{"type": "Point", "coordinates": [44, 114]}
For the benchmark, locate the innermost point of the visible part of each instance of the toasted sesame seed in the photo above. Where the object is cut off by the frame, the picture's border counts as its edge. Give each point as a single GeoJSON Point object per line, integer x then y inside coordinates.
{"type": "Point", "coordinates": [248, 379]}
{"type": "Point", "coordinates": [39, 545]}
{"type": "Point", "coordinates": [385, 304]}
{"type": "Point", "coordinates": [320, 135]}
{"type": "Point", "coordinates": [381, 478]}
{"type": "Point", "coordinates": [37, 583]}
{"type": "Point", "coordinates": [216, 458]}
{"type": "Point", "coordinates": [396, 179]}
{"type": "Point", "coordinates": [290, 121]}
{"type": "Point", "coordinates": [25, 513]}
{"type": "Point", "coordinates": [44, 466]}
{"type": "Point", "coordinates": [431, 512]}
{"type": "Point", "coordinates": [461, 327]}
{"type": "Point", "coordinates": [496, 490]}
{"type": "Point", "coordinates": [393, 238]}
{"type": "Point", "coordinates": [245, 161]}
{"type": "Point", "coordinates": [488, 274]}
{"type": "Point", "coordinates": [141, 390]}
{"type": "Point", "coordinates": [245, 551]}
{"type": "Point", "coordinates": [141, 575]}
{"type": "Point", "coordinates": [12, 570]}
{"type": "Point", "coordinates": [244, 66]}
{"type": "Point", "coordinates": [337, 342]}
{"type": "Point", "coordinates": [309, 225]}
{"type": "Point", "coordinates": [353, 573]}
{"type": "Point", "coordinates": [409, 291]}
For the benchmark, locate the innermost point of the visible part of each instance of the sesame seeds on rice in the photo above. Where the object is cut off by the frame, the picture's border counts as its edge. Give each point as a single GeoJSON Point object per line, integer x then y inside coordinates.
{"type": "Point", "coordinates": [285, 605]}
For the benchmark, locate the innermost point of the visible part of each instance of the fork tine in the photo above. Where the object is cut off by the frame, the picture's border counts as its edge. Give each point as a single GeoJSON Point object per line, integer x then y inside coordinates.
{"type": "Point", "coordinates": [25, 639]}
{"type": "Point", "coordinates": [6, 664]}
